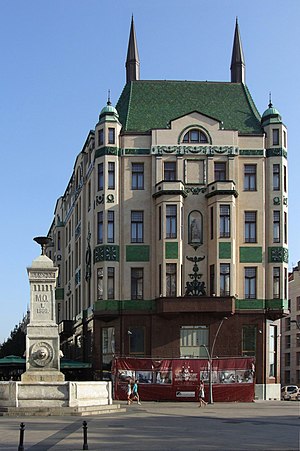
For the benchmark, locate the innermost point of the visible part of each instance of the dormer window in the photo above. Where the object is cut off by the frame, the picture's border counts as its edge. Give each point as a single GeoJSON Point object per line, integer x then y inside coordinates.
{"type": "Point", "coordinates": [195, 136]}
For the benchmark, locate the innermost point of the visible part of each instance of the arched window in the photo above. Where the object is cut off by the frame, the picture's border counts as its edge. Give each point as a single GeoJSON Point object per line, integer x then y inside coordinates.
{"type": "Point", "coordinates": [195, 136]}
{"type": "Point", "coordinates": [195, 225]}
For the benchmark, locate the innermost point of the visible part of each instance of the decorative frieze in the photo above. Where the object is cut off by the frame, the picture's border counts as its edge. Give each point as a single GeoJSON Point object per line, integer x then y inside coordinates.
{"type": "Point", "coordinates": [278, 255]}
{"type": "Point", "coordinates": [106, 253]}
{"type": "Point", "coordinates": [195, 150]}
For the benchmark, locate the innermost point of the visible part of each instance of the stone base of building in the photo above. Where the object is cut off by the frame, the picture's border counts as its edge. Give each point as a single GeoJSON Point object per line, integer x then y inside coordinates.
{"type": "Point", "coordinates": [65, 397]}
{"type": "Point", "coordinates": [268, 392]}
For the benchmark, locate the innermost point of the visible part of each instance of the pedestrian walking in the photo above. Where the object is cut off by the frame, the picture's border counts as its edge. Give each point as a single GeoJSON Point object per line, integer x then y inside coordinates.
{"type": "Point", "coordinates": [135, 393]}
{"type": "Point", "coordinates": [201, 395]}
{"type": "Point", "coordinates": [129, 391]}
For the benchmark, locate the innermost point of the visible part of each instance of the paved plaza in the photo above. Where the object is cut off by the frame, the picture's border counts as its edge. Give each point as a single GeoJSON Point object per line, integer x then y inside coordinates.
{"type": "Point", "coordinates": [263, 425]}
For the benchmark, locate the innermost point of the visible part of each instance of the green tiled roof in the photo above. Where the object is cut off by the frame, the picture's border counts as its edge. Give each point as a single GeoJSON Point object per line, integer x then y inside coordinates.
{"type": "Point", "coordinates": [145, 104]}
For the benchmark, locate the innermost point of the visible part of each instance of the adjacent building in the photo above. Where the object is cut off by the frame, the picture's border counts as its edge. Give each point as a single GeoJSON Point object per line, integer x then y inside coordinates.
{"type": "Point", "coordinates": [290, 333]}
{"type": "Point", "coordinates": [172, 231]}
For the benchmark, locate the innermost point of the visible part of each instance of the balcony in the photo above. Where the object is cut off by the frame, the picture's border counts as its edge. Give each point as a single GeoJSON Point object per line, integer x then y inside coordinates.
{"type": "Point", "coordinates": [169, 187]}
{"type": "Point", "coordinates": [226, 187]}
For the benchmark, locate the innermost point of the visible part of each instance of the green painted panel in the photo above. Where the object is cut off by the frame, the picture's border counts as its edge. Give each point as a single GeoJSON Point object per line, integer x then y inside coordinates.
{"type": "Point", "coordinates": [250, 304]}
{"type": "Point", "coordinates": [137, 253]}
{"type": "Point", "coordinates": [255, 152]}
{"type": "Point", "coordinates": [277, 304]}
{"type": "Point", "coordinates": [250, 254]}
{"type": "Point", "coordinates": [278, 152]}
{"type": "Point", "coordinates": [171, 250]}
{"type": "Point", "coordinates": [117, 306]}
{"type": "Point", "coordinates": [225, 249]}
{"type": "Point", "coordinates": [59, 294]}
{"type": "Point", "coordinates": [107, 151]}
{"type": "Point", "coordinates": [278, 255]}
{"type": "Point", "coordinates": [136, 151]}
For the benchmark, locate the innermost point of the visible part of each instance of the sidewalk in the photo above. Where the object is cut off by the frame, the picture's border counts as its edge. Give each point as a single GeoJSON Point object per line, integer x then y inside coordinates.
{"type": "Point", "coordinates": [261, 425]}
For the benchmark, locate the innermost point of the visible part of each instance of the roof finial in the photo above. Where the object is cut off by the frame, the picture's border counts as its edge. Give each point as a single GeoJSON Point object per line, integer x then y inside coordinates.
{"type": "Point", "coordinates": [270, 100]}
{"type": "Point", "coordinates": [108, 98]}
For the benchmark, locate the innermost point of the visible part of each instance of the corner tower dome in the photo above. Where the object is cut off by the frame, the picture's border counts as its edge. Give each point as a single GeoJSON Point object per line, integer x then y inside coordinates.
{"type": "Point", "coordinates": [271, 116]}
{"type": "Point", "coordinates": [109, 113]}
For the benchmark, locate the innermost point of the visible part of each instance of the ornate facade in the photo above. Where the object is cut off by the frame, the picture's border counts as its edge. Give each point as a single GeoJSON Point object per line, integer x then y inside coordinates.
{"type": "Point", "coordinates": [175, 217]}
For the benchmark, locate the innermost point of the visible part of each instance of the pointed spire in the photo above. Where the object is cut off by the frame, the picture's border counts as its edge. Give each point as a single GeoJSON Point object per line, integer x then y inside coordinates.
{"type": "Point", "coordinates": [132, 61]}
{"type": "Point", "coordinates": [237, 67]}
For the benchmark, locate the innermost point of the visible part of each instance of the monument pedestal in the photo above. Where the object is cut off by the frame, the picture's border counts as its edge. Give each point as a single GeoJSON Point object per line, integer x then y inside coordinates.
{"type": "Point", "coordinates": [42, 390]}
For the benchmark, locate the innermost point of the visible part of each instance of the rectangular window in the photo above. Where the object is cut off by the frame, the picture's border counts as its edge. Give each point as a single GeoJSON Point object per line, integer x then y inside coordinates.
{"type": "Point", "coordinates": [298, 302]}
{"type": "Point", "coordinates": [284, 138]}
{"type": "Point", "coordinates": [58, 240]}
{"type": "Point", "coordinates": [159, 223]}
{"type": "Point", "coordinates": [212, 223]}
{"type": "Point", "coordinates": [275, 134]}
{"type": "Point", "coordinates": [285, 283]}
{"type": "Point", "coordinates": [89, 196]}
{"type": "Point", "coordinates": [284, 179]}
{"type": "Point", "coordinates": [212, 291]}
{"type": "Point", "coordinates": [170, 170]}
{"type": "Point", "coordinates": [220, 171]}
{"type": "Point", "coordinates": [137, 283]}
{"type": "Point", "coordinates": [250, 283]}
{"type": "Point", "coordinates": [287, 359]}
{"type": "Point", "coordinates": [224, 221]}
{"type": "Point", "coordinates": [110, 226]}
{"type": "Point", "coordinates": [224, 279]}
{"type": "Point", "coordinates": [100, 227]}
{"type": "Point", "coordinates": [272, 351]}
{"type": "Point", "coordinates": [100, 284]}
{"type": "Point", "coordinates": [192, 341]}
{"type": "Point", "coordinates": [249, 340]}
{"type": "Point", "coordinates": [250, 177]}
{"type": "Point", "coordinates": [137, 341]}
{"type": "Point", "coordinates": [276, 226]}
{"type": "Point", "coordinates": [100, 137]}
{"type": "Point", "coordinates": [111, 175]}
{"type": "Point", "coordinates": [137, 176]}
{"type": "Point", "coordinates": [285, 228]}
{"type": "Point", "coordinates": [287, 324]}
{"type": "Point", "coordinates": [108, 340]}
{"type": "Point", "coordinates": [250, 226]}
{"type": "Point", "coordinates": [276, 282]}
{"type": "Point", "coordinates": [137, 226]}
{"type": "Point", "coordinates": [111, 135]}
{"type": "Point", "coordinates": [100, 176]}
{"type": "Point", "coordinates": [276, 177]}
{"type": "Point", "coordinates": [171, 221]}
{"type": "Point", "coordinates": [171, 279]}
{"type": "Point", "coordinates": [110, 283]}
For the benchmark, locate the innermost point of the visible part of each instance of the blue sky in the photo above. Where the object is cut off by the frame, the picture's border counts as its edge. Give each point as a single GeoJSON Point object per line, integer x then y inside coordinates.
{"type": "Point", "coordinates": [59, 58]}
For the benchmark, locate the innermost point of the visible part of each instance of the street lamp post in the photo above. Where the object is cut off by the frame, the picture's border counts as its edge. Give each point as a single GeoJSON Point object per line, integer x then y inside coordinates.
{"type": "Point", "coordinates": [210, 360]}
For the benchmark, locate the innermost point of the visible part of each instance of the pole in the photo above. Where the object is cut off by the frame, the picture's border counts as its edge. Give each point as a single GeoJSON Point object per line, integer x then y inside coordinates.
{"type": "Point", "coordinates": [210, 356]}
{"type": "Point", "coordinates": [21, 442]}
{"type": "Point", "coordinates": [85, 443]}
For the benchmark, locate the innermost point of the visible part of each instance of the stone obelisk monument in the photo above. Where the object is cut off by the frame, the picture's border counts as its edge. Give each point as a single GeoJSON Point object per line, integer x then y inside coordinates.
{"type": "Point", "coordinates": [42, 340]}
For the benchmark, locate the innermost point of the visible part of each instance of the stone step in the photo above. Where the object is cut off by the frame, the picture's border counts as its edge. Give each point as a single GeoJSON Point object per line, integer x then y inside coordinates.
{"type": "Point", "coordinates": [61, 411]}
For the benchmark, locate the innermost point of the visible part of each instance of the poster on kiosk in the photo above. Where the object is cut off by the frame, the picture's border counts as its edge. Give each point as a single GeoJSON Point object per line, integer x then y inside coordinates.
{"type": "Point", "coordinates": [232, 379]}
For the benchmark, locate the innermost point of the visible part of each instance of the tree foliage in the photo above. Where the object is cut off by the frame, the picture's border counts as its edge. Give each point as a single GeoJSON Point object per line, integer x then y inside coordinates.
{"type": "Point", "coordinates": [16, 343]}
